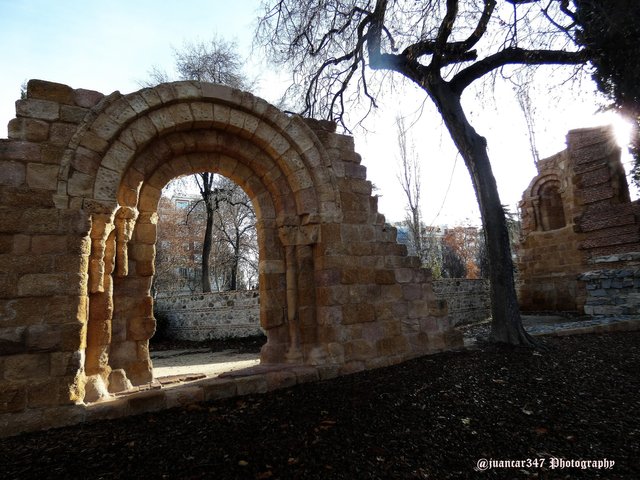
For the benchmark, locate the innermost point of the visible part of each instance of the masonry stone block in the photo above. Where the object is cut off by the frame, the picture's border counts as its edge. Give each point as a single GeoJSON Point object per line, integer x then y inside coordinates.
{"type": "Point", "coordinates": [26, 366]}
{"type": "Point", "coordinates": [13, 398]}
{"type": "Point", "coordinates": [39, 109]}
{"type": "Point", "coordinates": [28, 129]}
{"type": "Point", "coordinates": [12, 173]}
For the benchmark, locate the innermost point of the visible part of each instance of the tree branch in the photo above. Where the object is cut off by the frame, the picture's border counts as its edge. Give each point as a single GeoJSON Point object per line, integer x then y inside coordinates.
{"type": "Point", "coordinates": [514, 56]}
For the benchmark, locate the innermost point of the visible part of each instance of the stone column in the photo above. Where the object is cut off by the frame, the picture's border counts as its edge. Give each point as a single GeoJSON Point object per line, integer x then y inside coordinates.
{"type": "Point", "coordinates": [297, 241]}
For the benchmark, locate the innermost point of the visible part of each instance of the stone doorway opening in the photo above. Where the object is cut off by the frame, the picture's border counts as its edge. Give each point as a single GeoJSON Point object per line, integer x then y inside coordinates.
{"type": "Point", "coordinates": [185, 136]}
{"type": "Point", "coordinates": [205, 330]}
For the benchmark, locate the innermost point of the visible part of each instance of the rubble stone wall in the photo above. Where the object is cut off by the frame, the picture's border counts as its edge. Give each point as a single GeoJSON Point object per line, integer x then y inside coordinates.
{"type": "Point", "coordinates": [468, 299]}
{"type": "Point", "coordinates": [204, 316]}
{"type": "Point", "coordinates": [613, 291]}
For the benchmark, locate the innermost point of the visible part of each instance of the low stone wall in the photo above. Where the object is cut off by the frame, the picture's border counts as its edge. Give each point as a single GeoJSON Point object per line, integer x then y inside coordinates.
{"type": "Point", "coordinates": [612, 292]}
{"type": "Point", "coordinates": [468, 299]}
{"type": "Point", "coordinates": [204, 316]}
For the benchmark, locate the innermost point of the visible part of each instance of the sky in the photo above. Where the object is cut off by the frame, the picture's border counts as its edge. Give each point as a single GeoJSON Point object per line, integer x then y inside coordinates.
{"type": "Point", "coordinates": [112, 45]}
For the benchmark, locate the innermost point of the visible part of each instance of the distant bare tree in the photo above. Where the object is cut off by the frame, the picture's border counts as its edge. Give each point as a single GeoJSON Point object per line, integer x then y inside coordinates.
{"type": "Point", "coordinates": [409, 178]}
{"type": "Point", "coordinates": [216, 61]}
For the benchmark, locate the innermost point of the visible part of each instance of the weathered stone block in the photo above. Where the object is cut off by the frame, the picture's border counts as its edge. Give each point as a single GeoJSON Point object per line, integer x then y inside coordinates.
{"type": "Point", "coordinates": [141, 328]}
{"type": "Point", "coordinates": [12, 340]}
{"type": "Point", "coordinates": [251, 385]}
{"type": "Point", "coordinates": [26, 366]}
{"type": "Point", "coordinates": [150, 401]}
{"type": "Point", "coordinates": [21, 151]}
{"type": "Point", "coordinates": [55, 92]}
{"type": "Point", "coordinates": [42, 284]}
{"type": "Point", "coordinates": [61, 133]}
{"type": "Point", "coordinates": [71, 114]}
{"type": "Point", "coordinates": [28, 129]}
{"type": "Point", "coordinates": [218, 388]}
{"type": "Point", "coordinates": [13, 397]}
{"type": "Point", "coordinates": [43, 393]}
{"type": "Point", "coordinates": [43, 338]}
{"type": "Point", "coordinates": [12, 173]}
{"type": "Point", "coordinates": [183, 396]}
{"type": "Point", "coordinates": [86, 98]}
{"type": "Point", "coordinates": [40, 109]}
{"type": "Point", "coordinates": [64, 364]}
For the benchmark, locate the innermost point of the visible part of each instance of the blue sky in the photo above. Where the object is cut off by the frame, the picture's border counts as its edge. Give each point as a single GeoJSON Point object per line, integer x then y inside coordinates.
{"type": "Point", "coordinates": [111, 45]}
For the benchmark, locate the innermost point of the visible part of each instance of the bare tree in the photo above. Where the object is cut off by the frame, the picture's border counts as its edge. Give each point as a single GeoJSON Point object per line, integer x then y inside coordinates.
{"type": "Point", "coordinates": [235, 223]}
{"type": "Point", "coordinates": [216, 61]}
{"type": "Point", "coordinates": [409, 178]}
{"type": "Point", "coordinates": [335, 48]}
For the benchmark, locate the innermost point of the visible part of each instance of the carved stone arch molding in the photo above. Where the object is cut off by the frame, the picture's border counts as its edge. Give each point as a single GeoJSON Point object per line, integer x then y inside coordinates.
{"type": "Point", "coordinates": [547, 201]}
{"type": "Point", "coordinates": [131, 146]}
{"type": "Point", "coordinates": [80, 180]}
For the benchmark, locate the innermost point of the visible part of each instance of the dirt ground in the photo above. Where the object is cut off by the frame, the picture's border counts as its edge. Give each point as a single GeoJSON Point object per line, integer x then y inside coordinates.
{"type": "Point", "coordinates": [435, 417]}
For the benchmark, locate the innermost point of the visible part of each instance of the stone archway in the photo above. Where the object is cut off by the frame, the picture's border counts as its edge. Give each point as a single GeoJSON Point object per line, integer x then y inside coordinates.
{"type": "Point", "coordinates": [80, 180]}
{"type": "Point", "coordinates": [149, 138]}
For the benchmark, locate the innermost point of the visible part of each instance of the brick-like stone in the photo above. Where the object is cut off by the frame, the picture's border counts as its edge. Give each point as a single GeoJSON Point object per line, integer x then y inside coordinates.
{"type": "Point", "coordinates": [40, 109]}
{"type": "Point", "coordinates": [41, 176]}
{"type": "Point", "coordinates": [28, 129]}
{"type": "Point", "coordinates": [12, 173]}
{"type": "Point", "coordinates": [55, 92]}
{"type": "Point", "coordinates": [26, 366]}
{"type": "Point", "coordinates": [86, 98]}
{"type": "Point", "coordinates": [13, 398]}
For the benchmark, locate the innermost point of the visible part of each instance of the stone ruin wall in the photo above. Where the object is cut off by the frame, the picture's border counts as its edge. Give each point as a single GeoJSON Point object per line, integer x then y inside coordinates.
{"type": "Point", "coordinates": [574, 212]}
{"type": "Point", "coordinates": [80, 177]}
{"type": "Point", "coordinates": [204, 316]}
{"type": "Point", "coordinates": [468, 299]}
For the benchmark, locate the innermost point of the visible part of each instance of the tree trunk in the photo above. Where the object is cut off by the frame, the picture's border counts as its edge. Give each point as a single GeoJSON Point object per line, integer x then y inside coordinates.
{"type": "Point", "coordinates": [206, 249]}
{"type": "Point", "coordinates": [506, 325]}
{"type": "Point", "coordinates": [235, 263]}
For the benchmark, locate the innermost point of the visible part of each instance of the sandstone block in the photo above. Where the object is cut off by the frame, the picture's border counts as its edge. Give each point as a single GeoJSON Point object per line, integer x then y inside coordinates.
{"type": "Point", "coordinates": [358, 313]}
{"type": "Point", "coordinates": [26, 366]}
{"type": "Point", "coordinates": [95, 389]}
{"type": "Point", "coordinates": [40, 109]}
{"type": "Point", "coordinates": [150, 401]}
{"type": "Point", "coordinates": [71, 114]}
{"type": "Point", "coordinates": [28, 129]}
{"type": "Point", "coordinates": [42, 284]}
{"type": "Point", "coordinates": [12, 340]}
{"type": "Point", "coordinates": [61, 133]}
{"type": "Point", "coordinates": [55, 92]}
{"type": "Point", "coordinates": [21, 151]}
{"type": "Point", "coordinates": [118, 381]}
{"type": "Point", "coordinates": [43, 393]}
{"type": "Point", "coordinates": [218, 388]}
{"type": "Point", "coordinates": [66, 363]}
{"type": "Point", "coordinates": [141, 328]}
{"type": "Point", "coordinates": [21, 244]}
{"type": "Point", "coordinates": [86, 98]}
{"type": "Point", "coordinates": [282, 379]}
{"type": "Point", "coordinates": [182, 396]}
{"type": "Point", "coordinates": [106, 184]}
{"type": "Point", "coordinates": [251, 385]}
{"type": "Point", "coordinates": [43, 338]}
{"type": "Point", "coordinates": [13, 398]}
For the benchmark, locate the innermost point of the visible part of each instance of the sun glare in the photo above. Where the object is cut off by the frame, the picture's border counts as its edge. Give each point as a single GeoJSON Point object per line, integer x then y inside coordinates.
{"type": "Point", "coordinates": [621, 129]}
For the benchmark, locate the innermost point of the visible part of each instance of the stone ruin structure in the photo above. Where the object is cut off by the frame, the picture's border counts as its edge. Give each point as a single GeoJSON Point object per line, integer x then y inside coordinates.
{"type": "Point", "coordinates": [80, 178]}
{"type": "Point", "coordinates": [579, 226]}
